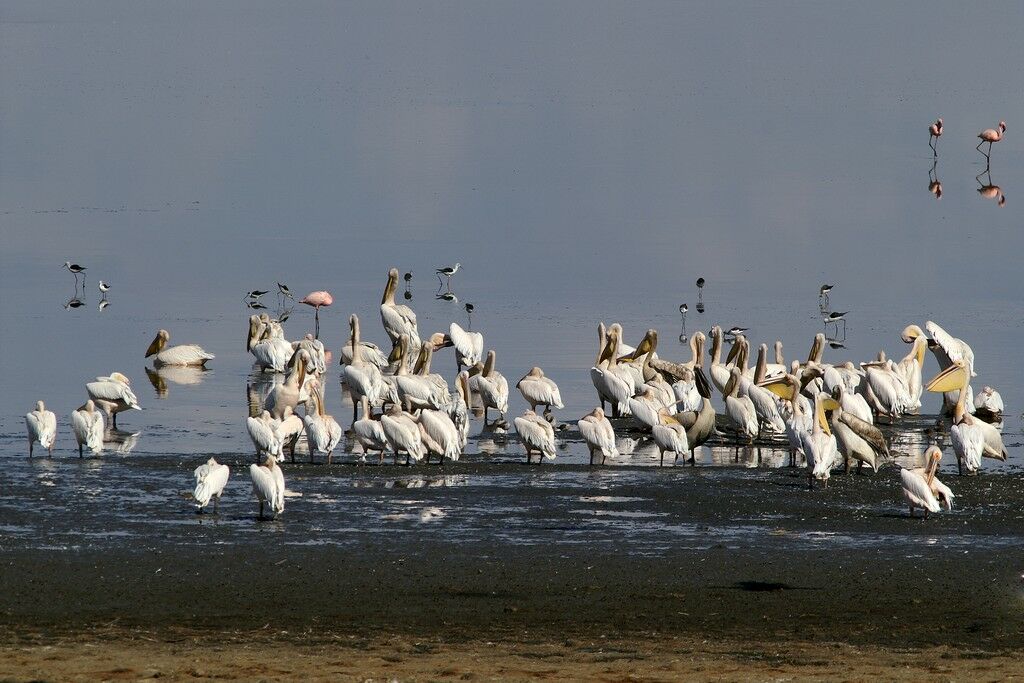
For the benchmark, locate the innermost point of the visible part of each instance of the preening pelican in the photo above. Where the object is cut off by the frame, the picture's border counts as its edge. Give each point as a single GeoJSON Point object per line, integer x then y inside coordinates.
{"type": "Point", "coordinates": [537, 434]}
{"type": "Point", "coordinates": [317, 353]}
{"type": "Point", "coordinates": [113, 394]}
{"type": "Point", "coordinates": [440, 435]}
{"type": "Point", "coordinates": [290, 392]}
{"type": "Point", "coordinates": [87, 425]}
{"type": "Point", "coordinates": [799, 419]}
{"type": "Point", "coordinates": [41, 425]}
{"type": "Point", "coordinates": [699, 424]}
{"type": "Point", "coordinates": [988, 405]}
{"type": "Point", "coordinates": [645, 408]}
{"type": "Point", "coordinates": [369, 432]}
{"type": "Point", "coordinates": [362, 377]}
{"type": "Point", "coordinates": [492, 386]}
{"type": "Point", "coordinates": [888, 388]}
{"type": "Point", "coordinates": [972, 438]}
{"type": "Point", "coordinates": [268, 484]}
{"type": "Point", "coordinates": [612, 380]}
{"type": "Point", "coordinates": [469, 346]}
{"type": "Point", "coordinates": [322, 431]}
{"type": "Point", "coordinates": [954, 349]}
{"type": "Point", "coordinates": [539, 390]}
{"type": "Point", "coordinates": [857, 439]}
{"type": "Point", "coordinates": [740, 409]}
{"type": "Point", "coordinates": [288, 429]}
{"type": "Point", "coordinates": [268, 345]}
{"type": "Point", "coordinates": [211, 478]}
{"type": "Point", "coordinates": [183, 354]}
{"type": "Point", "coordinates": [371, 354]}
{"type": "Point", "coordinates": [398, 319]}
{"type": "Point", "coordinates": [669, 435]}
{"type": "Point", "coordinates": [765, 405]}
{"type": "Point", "coordinates": [422, 389]}
{"type": "Point", "coordinates": [685, 391]}
{"type": "Point", "coordinates": [598, 434]}
{"type": "Point", "coordinates": [460, 408]}
{"type": "Point", "coordinates": [678, 371]}
{"type": "Point", "coordinates": [263, 432]}
{"type": "Point", "coordinates": [912, 364]}
{"type": "Point", "coordinates": [921, 487]}
{"type": "Point", "coordinates": [819, 445]}
{"type": "Point", "coordinates": [402, 432]}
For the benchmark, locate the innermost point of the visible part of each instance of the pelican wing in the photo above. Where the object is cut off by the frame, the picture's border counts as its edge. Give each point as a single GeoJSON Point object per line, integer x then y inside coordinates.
{"type": "Point", "coordinates": [442, 431]}
{"type": "Point", "coordinates": [370, 434]}
{"type": "Point", "coordinates": [322, 433]}
{"type": "Point", "coordinates": [42, 427]}
{"type": "Point", "coordinates": [111, 391]}
{"type": "Point", "coordinates": [403, 434]}
{"type": "Point", "coordinates": [942, 493]}
{"type": "Point", "coordinates": [184, 354]}
{"type": "Point", "coordinates": [955, 349]}
{"type": "Point", "coordinates": [399, 320]}
{"type": "Point", "coordinates": [916, 491]}
{"type": "Point", "coordinates": [264, 436]}
{"type": "Point", "coordinates": [537, 434]}
{"type": "Point", "coordinates": [540, 390]}
{"type": "Point", "coordinates": [599, 435]}
{"type": "Point", "coordinates": [210, 482]}
{"type": "Point", "coordinates": [469, 346]}
{"type": "Point", "coordinates": [266, 486]}
{"type": "Point", "coordinates": [671, 438]}
{"type": "Point", "coordinates": [867, 431]}
{"type": "Point", "coordinates": [993, 441]}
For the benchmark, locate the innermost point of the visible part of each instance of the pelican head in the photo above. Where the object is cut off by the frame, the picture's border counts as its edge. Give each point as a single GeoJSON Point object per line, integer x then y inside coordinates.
{"type": "Point", "coordinates": [255, 331]}
{"type": "Point", "coordinates": [439, 340]}
{"type": "Point", "coordinates": [158, 343]}
{"type": "Point", "coordinates": [90, 406]}
{"type": "Point", "coordinates": [647, 345]}
{"type": "Point", "coordinates": [389, 288]}
{"type": "Point", "coordinates": [598, 413]}
{"type": "Point", "coordinates": [910, 333]}
{"type": "Point", "coordinates": [40, 407]}
{"type": "Point", "coordinates": [118, 377]}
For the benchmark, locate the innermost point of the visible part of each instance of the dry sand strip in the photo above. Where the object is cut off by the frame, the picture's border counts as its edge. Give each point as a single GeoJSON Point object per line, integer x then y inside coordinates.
{"type": "Point", "coordinates": [119, 656]}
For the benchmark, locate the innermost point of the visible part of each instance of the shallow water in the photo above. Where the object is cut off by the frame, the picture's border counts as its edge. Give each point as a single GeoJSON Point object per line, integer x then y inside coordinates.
{"type": "Point", "coordinates": [583, 163]}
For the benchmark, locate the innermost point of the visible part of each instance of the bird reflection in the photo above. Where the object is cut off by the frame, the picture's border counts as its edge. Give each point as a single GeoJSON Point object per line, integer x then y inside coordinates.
{"type": "Point", "coordinates": [103, 304]}
{"type": "Point", "coordinates": [73, 302]}
{"type": "Point", "coordinates": [120, 441]}
{"type": "Point", "coordinates": [185, 375]}
{"type": "Point", "coordinates": [700, 307]}
{"type": "Point", "coordinates": [988, 189]}
{"type": "Point", "coordinates": [448, 296]}
{"type": "Point", "coordinates": [934, 184]}
{"type": "Point", "coordinates": [683, 308]}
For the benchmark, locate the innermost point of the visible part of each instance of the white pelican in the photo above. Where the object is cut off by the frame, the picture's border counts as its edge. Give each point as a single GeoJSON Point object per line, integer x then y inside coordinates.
{"type": "Point", "coordinates": [888, 388]}
{"type": "Point", "coordinates": [678, 370]}
{"type": "Point", "coordinates": [211, 478]}
{"type": "Point", "coordinates": [740, 409]}
{"type": "Point", "coordinates": [537, 434]}
{"type": "Point", "coordinates": [972, 438]}
{"type": "Point", "coordinates": [87, 425]}
{"type": "Point", "coordinates": [288, 429]}
{"type": "Point", "coordinates": [719, 371]}
{"type": "Point", "coordinates": [290, 392]}
{"type": "Point", "coordinates": [371, 354]}
{"type": "Point", "coordinates": [422, 390]}
{"type": "Point", "coordinates": [268, 484]}
{"type": "Point", "coordinates": [596, 374]}
{"type": "Point", "coordinates": [954, 349]}
{"type": "Point", "coordinates": [460, 408]}
{"type": "Point", "coordinates": [316, 350]}
{"type": "Point", "coordinates": [113, 394]}
{"type": "Point", "coordinates": [988, 405]}
{"type": "Point", "coordinates": [492, 387]}
{"type": "Point", "coordinates": [402, 432]}
{"type": "Point", "coordinates": [853, 403]}
{"type": "Point", "coordinates": [268, 345]}
{"type": "Point", "coordinates": [646, 376]}
{"type": "Point", "coordinates": [362, 377]}
{"type": "Point", "coordinates": [369, 432]}
{"type": "Point", "coordinates": [645, 407]}
{"type": "Point", "coordinates": [440, 435]}
{"type": "Point", "coordinates": [921, 487]}
{"type": "Point", "coordinates": [42, 427]}
{"type": "Point", "coordinates": [263, 432]}
{"type": "Point", "coordinates": [819, 446]}
{"type": "Point", "coordinates": [669, 435]}
{"type": "Point", "coordinates": [539, 390]}
{"type": "Point", "coordinates": [322, 431]}
{"type": "Point", "coordinates": [612, 379]}
{"type": "Point", "coordinates": [183, 354]}
{"type": "Point", "coordinates": [685, 391]}
{"type": "Point", "coordinates": [398, 319]}
{"type": "Point", "coordinates": [700, 424]}
{"type": "Point", "coordinates": [857, 439]}
{"type": "Point", "coordinates": [469, 346]}
{"type": "Point", "coordinates": [598, 434]}
{"type": "Point", "coordinates": [764, 402]}
{"type": "Point", "coordinates": [912, 364]}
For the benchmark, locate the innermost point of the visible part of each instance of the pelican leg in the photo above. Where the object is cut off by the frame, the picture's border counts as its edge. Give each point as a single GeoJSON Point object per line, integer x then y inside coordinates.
{"type": "Point", "coordinates": [329, 457]}
{"type": "Point", "coordinates": [216, 505]}
{"type": "Point", "coordinates": [911, 511]}
{"type": "Point", "coordinates": [79, 450]}
{"type": "Point", "coordinates": [30, 448]}
{"type": "Point", "coordinates": [261, 510]}
{"type": "Point", "coordinates": [310, 456]}
{"type": "Point", "coordinates": [662, 463]}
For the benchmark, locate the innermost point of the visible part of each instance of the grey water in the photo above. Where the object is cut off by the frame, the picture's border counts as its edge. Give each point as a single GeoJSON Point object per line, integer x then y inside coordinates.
{"type": "Point", "coordinates": [584, 162]}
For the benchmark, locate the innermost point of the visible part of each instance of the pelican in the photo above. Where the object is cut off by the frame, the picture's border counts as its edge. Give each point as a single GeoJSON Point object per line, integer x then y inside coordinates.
{"type": "Point", "coordinates": [798, 418]}
{"type": "Point", "coordinates": [423, 389]}
{"type": "Point", "coordinates": [669, 435]}
{"type": "Point", "coordinates": [402, 432]}
{"type": "Point", "coordinates": [611, 379]}
{"type": "Point", "coordinates": [685, 391]}
{"type": "Point", "coordinates": [677, 370]}
{"type": "Point", "coordinates": [852, 403]}
{"type": "Point", "coordinates": [469, 346]}
{"type": "Point", "coordinates": [42, 427]}
{"type": "Point", "coordinates": [598, 434]}
{"type": "Point", "coordinates": [740, 409]}
{"type": "Point", "coordinates": [819, 445]}
{"type": "Point", "coordinates": [371, 353]}
{"type": "Point", "coordinates": [888, 388]}
{"type": "Point", "coordinates": [460, 408]}
{"type": "Point", "coordinates": [211, 478]}
{"type": "Point", "coordinates": [316, 350]}
{"type": "Point", "coordinates": [912, 364]}
{"type": "Point", "coordinates": [268, 345]}
{"type": "Point", "coordinates": [719, 372]}
{"type": "Point", "coordinates": [87, 425]}
{"type": "Point", "coordinates": [953, 348]}
{"type": "Point", "coordinates": [268, 484]}
{"type": "Point", "coordinates": [539, 390]}
{"type": "Point", "coordinates": [537, 434]}
{"type": "Point", "coordinates": [440, 435]}
{"type": "Point", "coordinates": [290, 392]}
{"type": "Point", "coordinates": [362, 377]}
{"type": "Point", "coordinates": [921, 487]}
{"type": "Point", "coordinates": [646, 406]}
{"type": "Point", "coordinates": [492, 387]}
{"type": "Point", "coordinates": [322, 431]}
{"type": "Point", "coordinates": [646, 376]}
{"type": "Point", "coordinates": [263, 432]}
{"type": "Point", "coordinates": [857, 440]}
{"type": "Point", "coordinates": [699, 424]}
{"type": "Point", "coordinates": [113, 394]}
{"type": "Point", "coordinates": [183, 354]}
{"type": "Point", "coordinates": [289, 428]}
{"type": "Point", "coordinates": [764, 402]}
{"type": "Point", "coordinates": [972, 438]}
{"type": "Point", "coordinates": [369, 432]}
{"type": "Point", "coordinates": [988, 405]}
{"type": "Point", "coordinates": [398, 319]}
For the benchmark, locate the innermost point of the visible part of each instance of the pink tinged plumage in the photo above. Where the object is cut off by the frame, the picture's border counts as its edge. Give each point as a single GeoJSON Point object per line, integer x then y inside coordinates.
{"type": "Point", "coordinates": [316, 300]}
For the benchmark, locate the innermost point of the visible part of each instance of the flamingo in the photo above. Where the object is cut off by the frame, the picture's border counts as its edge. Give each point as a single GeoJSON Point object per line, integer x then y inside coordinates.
{"type": "Point", "coordinates": [268, 484]}
{"type": "Point", "coordinates": [87, 425]}
{"type": "Point", "coordinates": [536, 434]}
{"type": "Point", "coordinates": [598, 434]}
{"type": "Point", "coordinates": [316, 300]}
{"type": "Point", "coordinates": [921, 487]}
{"type": "Point", "coordinates": [934, 133]}
{"type": "Point", "coordinates": [183, 354]}
{"type": "Point", "coordinates": [211, 478]}
{"type": "Point", "coordinates": [991, 135]}
{"type": "Point", "coordinates": [42, 427]}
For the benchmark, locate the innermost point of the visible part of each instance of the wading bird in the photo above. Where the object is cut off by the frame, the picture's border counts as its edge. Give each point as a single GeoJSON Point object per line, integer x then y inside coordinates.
{"type": "Point", "coordinates": [87, 426]}
{"type": "Point", "coordinates": [41, 425]}
{"type": "Point", "coordinates": [922, 489]}
{"type": "Point", "coordinates": [598, 434]}
{"type": "Point", "coordinates": [991, 135]}
{"type": "Point", "coordinates": [268, 485]}
{"type": "Point", "coordinates": [934, 133]}
{"type": "Point", "coordinates": [537, 435]}
{"type": "Point", "coordinates": [972, 438]}
{"type": "Point", "coordinates": [211, 478]}
{"type": "Point", "coordinates": [316, 300]}
{"type": "Point", "coordinates": [182, 354]}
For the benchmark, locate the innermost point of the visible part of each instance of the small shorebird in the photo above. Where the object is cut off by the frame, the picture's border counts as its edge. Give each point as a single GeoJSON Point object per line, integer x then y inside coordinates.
{"type": "Point", "coordinates": [823, 293]}
{"type": "Point", "coordinates": [255, 294]}
{"type": "Point", "coordinates": [448, 272]}
{"type": "Point", "coordinates": [733, 331]}
{"type": "Point", "coordinates": [104, 288]}
{"type": "Point", "coordinates": [75, 269]}
{"type": "Point", "coordinates": [991, 135]}
{"type": "Point", "coordinates": [283, 291]}
{"type": "Point", "coordinates": [448, 296]}
{"type": "Point", "coordinates": [408, 277]}
{"type": "Point", "coordinates": [934, 133]}
{"type": "Point", "coordinates": [700, 289]}
{"type": "Point", "coordinates": [836, 317]}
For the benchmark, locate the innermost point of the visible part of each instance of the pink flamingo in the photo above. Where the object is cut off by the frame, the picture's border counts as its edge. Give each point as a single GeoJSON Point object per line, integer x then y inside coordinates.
{"type": "Point", "coordinates": [316, 300]}
{"type": "Point", "coordinates": [935, 132]}
{"type": "Point", "coordinates": [990, 135]}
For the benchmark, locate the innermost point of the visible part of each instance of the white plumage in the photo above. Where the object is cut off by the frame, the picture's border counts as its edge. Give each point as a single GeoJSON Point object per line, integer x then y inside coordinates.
{"type": "Point", "coordinates": [469, 346]}
{"type": "Point", "coordinates": [672, 438]}
{"type": "Point", "coordinates": [113, 394]}
{"type": "Point", "coordinates": [539, 390]}
{"type": "Point", "coordinates": [211, 478]}
{"type": "Point", "coordinates": [398, 319]}
{"type": "Point", "coordinates": [183, 354]}
{"type": "Point", "coordinates": [402, 432]}
{"type": "Point", "coordinates": [598, 434]}
{"type": "Point", "coordinates": [41, 425]}
{"type": "Point", "coordinates": [536, 434]}
{"type": "Point", "coordinates": [264, 434]}
{"type": "Point", "coordinates": [268, 484]}
{"type": "Point", "coordinates": [440, 435]}
{"type": "Point", "coordinates": [87, 425]}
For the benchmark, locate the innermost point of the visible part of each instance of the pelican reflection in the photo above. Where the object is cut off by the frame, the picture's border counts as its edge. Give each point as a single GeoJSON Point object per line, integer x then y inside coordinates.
{"type": "Point", "coordinates": [175, 374]}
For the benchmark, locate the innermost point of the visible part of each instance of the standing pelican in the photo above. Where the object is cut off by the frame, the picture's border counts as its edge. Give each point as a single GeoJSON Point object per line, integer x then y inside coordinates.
{"type": "Point", "coordinates": [669, 435]}
{"type": "Point", "coordinates": [537, 434]}
{"type": "Point", "coordinates": [819, 445]}
{"type": "Point", "coordinates": [288, 429]}
{"type": "Point", "coordinates": [946, 348]}
{"type": "Point", "coordinates": [183, 354]}
{"type": "Point", "coordinates": [492, 387]}
{"type": "Point", "coordinates": [988, 405]}
{"type": "Point", "coordinates": [699, 424]}
{"type": "Point", "coordinates": [799, 419]}
{"type": "Point", "coordinates": [934, 133]}
{"type": "Point", "coordinates": [888, 388]}
{"type": "Point", "coordinates": [972, 438]}
{"type": "Point", "coordinates": [402, 432]}
{"type": "Point", "coordinates": [469, 346]}
{"type": "Point", "coordinates": [719, 371]}
{"type": "Point", "coordinates": [921, 487]}
{"type": "Point", "coordinates": [268, 484]}
{"type": "Point", "coordinates": [857, 440]}
{"type": "Point", "coordinates": [598, 434]}
{"type": "Point", "coordinates": [87, 425]}
{"type": "Point", "coordinates": [289, 392]}
{"type": "Point", "coordinates": [539, 390]}
{"type": "Point", "coordinates": [369, 432]}
{"type": "Point", "coordinates": [362, 377]}
{"type": "Point", "coordinates": [991, 135]}
{"type": "Point", "coordinates": [912, 364]}
{"type": "Point", "coordinates": [263, 432]}
{"type": "Point", "coordinates": [211, 478]}
{"type": "Point", "coordinates": [440, 435]}
{"type": "Point", "coordinates": [41, 425]}
{"type": "Point", "coordinates": [740, 409]}
{"type": "Point", "coordinates": [316, 300]}
{"type": "Point", "coordinates": [421, 389]}
{"type": "Point", "coordinates": [398, 319]}
{"type": "Point", "coordinates": [267, 344]}
{"type": "Point", "coordinates": [764, 402]}
{"type": "Point", "coordinates": [322, 431]}
{"type": "Point", "coordinates": [611, 378]}
{"type": "Point", "coordinates": [113, 394]}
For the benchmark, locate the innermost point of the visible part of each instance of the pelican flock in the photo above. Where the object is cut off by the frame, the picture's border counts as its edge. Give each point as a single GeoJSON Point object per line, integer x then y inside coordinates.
{"type": "Point", "coordinates": [825, 414]}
